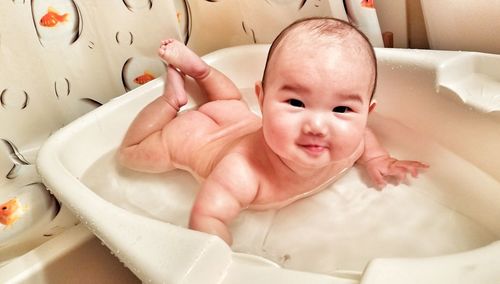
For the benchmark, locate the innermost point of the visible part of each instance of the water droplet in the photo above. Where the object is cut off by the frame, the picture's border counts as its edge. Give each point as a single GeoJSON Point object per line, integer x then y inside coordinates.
{"type": "Point", "coordinates": [91, 102]}
{"type": "Point", "coordinates": [124, 38]}
{"type": "Point", "coordinates": [62, 88]}
{"type": "Point", "coordinates": [14, 99]}
{"type": "Point", "coordinates": [134, 5]}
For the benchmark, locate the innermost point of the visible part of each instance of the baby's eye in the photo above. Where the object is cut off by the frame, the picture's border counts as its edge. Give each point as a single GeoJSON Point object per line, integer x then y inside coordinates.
{"type": "Point", "coordinates": [342, 109]}
{"type": "Point", "coordinates": [296, 103]}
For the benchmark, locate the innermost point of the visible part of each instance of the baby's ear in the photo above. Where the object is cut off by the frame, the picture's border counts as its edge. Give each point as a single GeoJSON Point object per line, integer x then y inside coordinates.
{"type": "Point", "coordinates": [372, 106]}
{"type": "Point", "coordinates": [259, 92]}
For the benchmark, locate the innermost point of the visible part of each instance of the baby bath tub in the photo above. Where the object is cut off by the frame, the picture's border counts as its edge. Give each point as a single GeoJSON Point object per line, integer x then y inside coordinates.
{"type": "Point", "coordinates": [435, 106]}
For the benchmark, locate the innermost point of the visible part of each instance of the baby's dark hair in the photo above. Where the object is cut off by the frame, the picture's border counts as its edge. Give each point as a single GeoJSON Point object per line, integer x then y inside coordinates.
{"type": "Point", "coordinates": [323, 26]}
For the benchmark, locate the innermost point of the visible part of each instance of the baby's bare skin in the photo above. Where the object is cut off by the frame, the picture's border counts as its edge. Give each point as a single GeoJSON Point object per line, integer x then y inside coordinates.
{"type": "Point", "coordinates": [244, 161]}
{"type": "Point", "coordinates": [225, 151]}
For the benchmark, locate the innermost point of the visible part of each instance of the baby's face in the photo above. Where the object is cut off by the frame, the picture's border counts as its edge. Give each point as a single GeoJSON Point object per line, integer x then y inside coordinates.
{"type": "Point", "coordinates": [316, 103]}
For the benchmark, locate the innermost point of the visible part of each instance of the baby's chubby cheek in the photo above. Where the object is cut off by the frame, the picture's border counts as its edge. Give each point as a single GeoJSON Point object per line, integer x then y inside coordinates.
{"type": "Point", "coordinates": [348, 140]}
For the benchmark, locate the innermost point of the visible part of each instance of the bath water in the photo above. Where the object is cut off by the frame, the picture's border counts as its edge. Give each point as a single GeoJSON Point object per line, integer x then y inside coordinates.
{"type": "Point", "coordinates": [343, 227]}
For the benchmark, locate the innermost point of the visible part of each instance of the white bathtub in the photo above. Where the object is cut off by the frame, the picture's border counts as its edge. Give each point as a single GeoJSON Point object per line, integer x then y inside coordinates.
{"type": "Point", "coordinates": [438, 107]}
{"type": "Point", "coordinates": [73, 256]}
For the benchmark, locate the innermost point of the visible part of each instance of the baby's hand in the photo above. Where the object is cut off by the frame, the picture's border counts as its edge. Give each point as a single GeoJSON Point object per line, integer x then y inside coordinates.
{"type": "Point", "coordinates": [385, 168]}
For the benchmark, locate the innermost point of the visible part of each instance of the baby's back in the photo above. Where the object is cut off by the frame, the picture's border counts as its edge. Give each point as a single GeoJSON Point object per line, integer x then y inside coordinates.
{"type": "Point", "coordinates": [198, 139]}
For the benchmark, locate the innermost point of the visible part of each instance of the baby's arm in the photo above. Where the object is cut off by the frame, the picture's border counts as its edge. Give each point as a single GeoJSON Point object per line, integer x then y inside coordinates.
{"type": "Point", "coordinates": [230, 188]}
{"type": "Point", "coordinates": [380, 166]}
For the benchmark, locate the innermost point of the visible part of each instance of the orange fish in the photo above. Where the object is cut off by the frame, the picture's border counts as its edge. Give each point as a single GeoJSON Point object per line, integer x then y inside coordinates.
{"type": "Point", "coordinates": [52, 18]}
{"type": "Point", "coordinates": [144, 78]}
{"type": "Point", "coordinates": [10, 211]}
{"type": "Point", "coordinates": [368, 3]}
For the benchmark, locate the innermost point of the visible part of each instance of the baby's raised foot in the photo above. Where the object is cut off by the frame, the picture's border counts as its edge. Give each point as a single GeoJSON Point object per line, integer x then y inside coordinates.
{"type": "Point", "coordinates": [181, 57]}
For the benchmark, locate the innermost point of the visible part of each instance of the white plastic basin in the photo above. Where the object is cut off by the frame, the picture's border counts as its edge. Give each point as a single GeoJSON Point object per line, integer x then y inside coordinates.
{"type": "Point", "coordinates": [444, 223]}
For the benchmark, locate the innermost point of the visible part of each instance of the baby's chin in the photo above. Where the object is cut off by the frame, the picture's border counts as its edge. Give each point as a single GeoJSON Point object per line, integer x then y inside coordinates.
{"type": "Point", "coordinates": [318, 163]}
{"type": "Point", "coordinates": [308, 163]}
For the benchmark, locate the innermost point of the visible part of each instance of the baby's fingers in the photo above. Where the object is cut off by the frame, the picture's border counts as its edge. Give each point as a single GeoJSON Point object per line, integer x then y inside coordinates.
{"type": "Point", "coordinates": [398, 173]}
{"type": "Point", "coordinates": [412, 166]}
{"type": "Point", "coordinates": [377, 178]}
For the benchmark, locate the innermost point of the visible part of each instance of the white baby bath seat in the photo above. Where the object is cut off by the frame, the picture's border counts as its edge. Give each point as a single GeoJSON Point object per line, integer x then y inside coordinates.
{"type": "Point", "coordinates": [440, 228]}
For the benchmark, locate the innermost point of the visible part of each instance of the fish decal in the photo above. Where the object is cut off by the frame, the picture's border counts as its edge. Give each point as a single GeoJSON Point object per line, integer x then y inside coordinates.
{"type": "Point", "coordinates": [57, 23]}
{"type": "Point", "coordinates": [52, 18]}
{"type": "Point", "coordinates": [137, 71]}
{"type": "Point", "coordinates": [10, 212]}
{"type": "Point", "coordinates": [144, 78]}
{"type": "Point", "coordinates": [368, 3]}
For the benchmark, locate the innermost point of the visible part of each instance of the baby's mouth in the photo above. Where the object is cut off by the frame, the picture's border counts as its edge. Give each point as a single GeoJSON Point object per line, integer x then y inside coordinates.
{"type": "Point", "coordinates": [314, 149]}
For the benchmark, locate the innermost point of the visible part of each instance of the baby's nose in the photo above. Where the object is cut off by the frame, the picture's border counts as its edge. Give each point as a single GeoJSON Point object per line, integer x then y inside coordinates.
{"type": "Point", "coordinates": [315, 125]}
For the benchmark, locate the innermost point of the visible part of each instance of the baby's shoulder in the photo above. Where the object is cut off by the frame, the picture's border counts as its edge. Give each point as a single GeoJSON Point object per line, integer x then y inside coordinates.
{"type": "Point", "coordinates": [236, 171]}
{"type": "Point", "coordinates": [227, 111]}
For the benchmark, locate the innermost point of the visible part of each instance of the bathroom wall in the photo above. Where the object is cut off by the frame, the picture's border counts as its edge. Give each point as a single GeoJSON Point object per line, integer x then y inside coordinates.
{"type": "Point", "coordinates": [60, 59]}
{"type": "Point", "coordinates": [417, 33]}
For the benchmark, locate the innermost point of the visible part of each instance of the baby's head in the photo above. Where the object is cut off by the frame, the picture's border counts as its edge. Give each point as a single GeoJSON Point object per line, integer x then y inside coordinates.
{"type": "Point", "coordinates": [316, 92]}
{"type": "Point", "coordinates": [331, 32]}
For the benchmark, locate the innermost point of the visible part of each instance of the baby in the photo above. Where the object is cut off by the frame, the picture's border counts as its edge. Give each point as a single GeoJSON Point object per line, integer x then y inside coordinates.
{"type": "Point", "coordinates": [315, 96]}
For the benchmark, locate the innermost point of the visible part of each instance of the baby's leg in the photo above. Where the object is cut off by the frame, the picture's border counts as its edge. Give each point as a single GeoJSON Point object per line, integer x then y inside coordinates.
{"type": "Point", "coordinates": [174, 91]}
{"type": "Point", "coordinates": [143, 148]}
{"type": "Point", "coordinates": [216, 85]}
